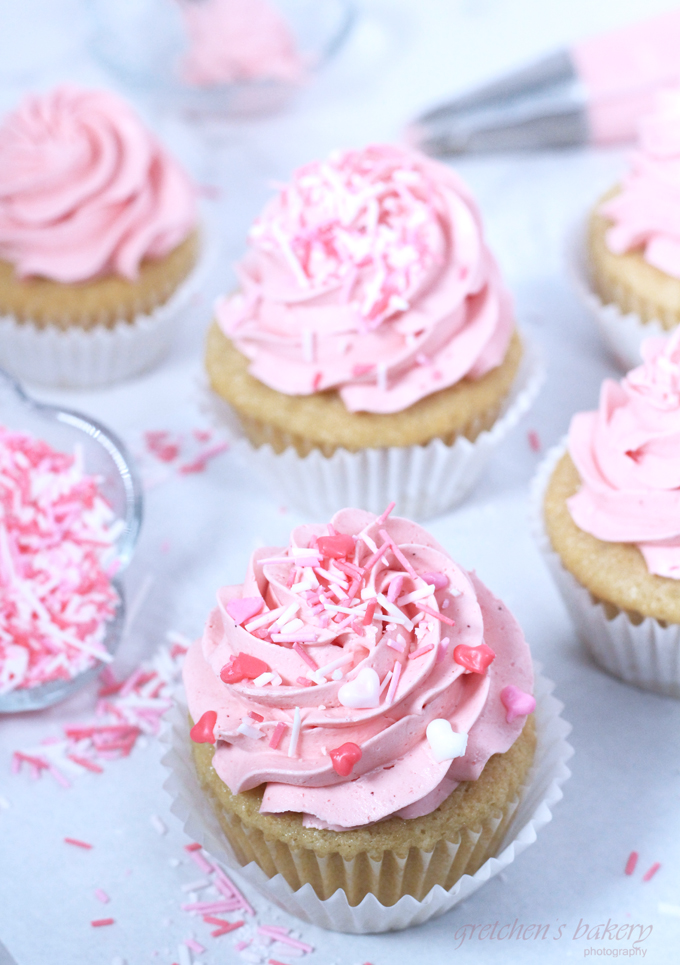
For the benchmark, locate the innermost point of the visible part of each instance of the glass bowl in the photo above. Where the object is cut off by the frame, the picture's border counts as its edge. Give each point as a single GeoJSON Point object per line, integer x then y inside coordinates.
{"type": "Point", "coordinates": [104, 456]}
{"type": "Point", "coordinates": [143, 42]}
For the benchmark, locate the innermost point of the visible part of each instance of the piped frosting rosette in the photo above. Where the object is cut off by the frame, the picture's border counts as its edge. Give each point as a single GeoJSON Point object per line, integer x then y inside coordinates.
{"type": "Point", "coordinates": [645, 217]}
{"type": "Point", "coordinates": [360, 673]}
{"type": "Point", "coordinates": [88, 193]}
{"type": "Point", "coordinates": [369, 274]}
{"type": "Point", "coordinates": [627, 453]}
{"type": "Point", "coordinates": [85, 189]}
{"type": "Point", "coordinates": [644, 213]}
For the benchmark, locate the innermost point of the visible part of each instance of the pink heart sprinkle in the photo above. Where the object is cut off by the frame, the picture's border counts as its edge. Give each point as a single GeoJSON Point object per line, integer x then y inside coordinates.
{"type": "Point", "coordinates": [203, 730]}
{"type": "Point", "coordinates": [242, 610]}
{"type": "Point", "coordinates": [439, 580]}
{"type": "Point", "coordinates": [516, 702]}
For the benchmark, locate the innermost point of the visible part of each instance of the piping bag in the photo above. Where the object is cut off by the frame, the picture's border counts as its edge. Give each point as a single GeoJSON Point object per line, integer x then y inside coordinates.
{"type": "Point", "coordinates": [594, 93]}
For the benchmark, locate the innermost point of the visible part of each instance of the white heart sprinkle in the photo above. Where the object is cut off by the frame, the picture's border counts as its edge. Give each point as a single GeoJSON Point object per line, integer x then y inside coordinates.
{"type": "Point", "coordinates": [363, 691]}
{"type": "Point", "coordinates": [444, 743]}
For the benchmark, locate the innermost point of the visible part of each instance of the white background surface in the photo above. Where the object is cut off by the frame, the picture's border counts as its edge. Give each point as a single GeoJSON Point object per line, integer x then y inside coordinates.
{"type": "Point", "coordinates": [625, 789]}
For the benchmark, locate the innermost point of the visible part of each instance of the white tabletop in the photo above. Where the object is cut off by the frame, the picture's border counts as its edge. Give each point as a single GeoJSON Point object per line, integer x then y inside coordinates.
{"type": "Point", "coordinates": [199, 530]}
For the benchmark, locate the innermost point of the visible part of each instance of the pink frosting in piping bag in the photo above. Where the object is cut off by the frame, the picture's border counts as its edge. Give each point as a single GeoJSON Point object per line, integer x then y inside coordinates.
{"type": "Point", "coordinates": [369, 274]}
{"type": "Point", "coordinates": [622, 70]}
{"type": "Point", "coordinates": [646, 212]}
{"type": "Point", "coordinates": [628, 456]}
{"type": "Point", "coordinates": [371, 626]}
{"type": "Point", "coordinates": [85, 189]}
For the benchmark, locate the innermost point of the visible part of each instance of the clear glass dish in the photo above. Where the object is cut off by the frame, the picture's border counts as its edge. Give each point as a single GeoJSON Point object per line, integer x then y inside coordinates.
{"type": "Point", "coordinates": [143, 42]}
{"type": "Point", "coordinates": [104, 456]}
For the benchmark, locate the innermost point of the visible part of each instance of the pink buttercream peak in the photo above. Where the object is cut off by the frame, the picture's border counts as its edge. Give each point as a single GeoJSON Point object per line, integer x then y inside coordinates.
{"type": "Point", "coordinates": [374, 685]}
{"type": "Point", "coordinates": [85, 189]}
{"type": "Point", "coordinates": [361, 267]}
{"type": "Point", "coordinates": [362, 222]}
{"type": "Point", "coordinates": [231, 41]}
{"type": "Point", "coordinates": [646, 212]}
{"type": "Point", "coordinates": [628, 456]}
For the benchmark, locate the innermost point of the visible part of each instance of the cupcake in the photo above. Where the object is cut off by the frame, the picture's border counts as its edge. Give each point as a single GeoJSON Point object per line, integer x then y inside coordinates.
{"type": "Point", "coordinates": [371, 317]}
{"type": "Point", "coordinates": [98, 235]}
{"type": "Point", "coordinates": [609, 517]}
{"type": "Point", "coordinates": [361, 713]}
{"type": "Point", "coordinates": [634, 239]}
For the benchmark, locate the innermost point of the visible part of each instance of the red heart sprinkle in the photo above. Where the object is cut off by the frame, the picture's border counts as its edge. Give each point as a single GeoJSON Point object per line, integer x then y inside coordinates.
{"type": "Point", "coordinates": [475, 659]}
{"type": "Point", "coordinates": [244, 609]}
{"type": "Point", "coordinates": [203, 732]}
{"type": "Point", "coordinates": [243, 666]}
{"type": "Point", "coordinates": [345, 757]}
{"type": "Point", "coordinates": [335, 547]}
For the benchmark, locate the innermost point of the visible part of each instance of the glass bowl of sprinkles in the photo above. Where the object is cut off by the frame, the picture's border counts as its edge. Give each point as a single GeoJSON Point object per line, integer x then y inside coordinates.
{"type": "Point", "coordinates": [219, 58]}
{"type": "Point", "coordinates": [70, 514]}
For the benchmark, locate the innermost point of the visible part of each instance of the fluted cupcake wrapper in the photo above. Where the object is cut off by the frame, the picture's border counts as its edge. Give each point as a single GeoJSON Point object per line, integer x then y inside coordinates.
{"type": "Point", "coordinates": [424, 481]}
{"type": "Point", "coordinates": [506, 835]}
{"type": "Point", "coordinates": [79, 358]}
{"type": "Point", "coordinates": [622, 332]}
{"type": "Point", "coordinates": [645, 654]}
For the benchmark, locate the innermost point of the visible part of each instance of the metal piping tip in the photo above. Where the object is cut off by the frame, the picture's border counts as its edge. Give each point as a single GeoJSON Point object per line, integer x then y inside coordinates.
{"type": "Point", "coordinates": [537, 107]}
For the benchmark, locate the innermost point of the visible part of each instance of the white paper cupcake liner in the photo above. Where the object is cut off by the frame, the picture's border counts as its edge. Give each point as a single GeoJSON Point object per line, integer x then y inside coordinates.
{"type": "Point", "coordinates": [424, 481]}
{"type": "Point", "coordinates": [77, 358]}
{"type": "Point", "coordinates": [540, 793]}
{"type": "Point", "coordinates": [646, 655]}
{"type": "Point", "coordinates": [623, 333]}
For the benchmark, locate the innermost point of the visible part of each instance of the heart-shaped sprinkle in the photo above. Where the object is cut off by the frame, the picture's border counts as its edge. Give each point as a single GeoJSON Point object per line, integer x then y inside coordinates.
{"type": "Point", "coordinates": [444, 743]}
{"type": "Point", "coordinates": [474, 659]}
{"type": "Point", "coordinates": [438, 580]}
{"type": "Point", "coordinates": [203, 732]}
{"type": "Point", "coordinates": [335, 547]}
{"type": "Point", "coordinates": [245, 609]}
{"type": "Point", "coordinates": [345, 757]}
{"type": "Point", "coordinates": [516, 702]}
{"type": "Point", "coordinates": [242, 666]}
{"type": "Point", "coordinates": [363, 691]}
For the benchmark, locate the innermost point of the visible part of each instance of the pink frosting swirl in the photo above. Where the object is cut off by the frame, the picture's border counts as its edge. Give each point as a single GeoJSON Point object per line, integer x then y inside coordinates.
{"type": "Point", "coordinates": [628, 456]}
{"type": "Point", "coordinates": [238, 40]}
{"type": "Point", "coordinates": [646, 212]}
{"type": "Point", "coordinates": [86, 190]}
{"type": "Point", "coordinates": [387, 614]}
{"type": "Point", "coordinates": [369, 274]}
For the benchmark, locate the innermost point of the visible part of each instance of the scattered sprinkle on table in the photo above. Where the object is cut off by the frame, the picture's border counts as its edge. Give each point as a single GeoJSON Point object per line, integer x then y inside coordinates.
{"type": "Point", "coordinates": [534, 440]}
{"type": "Point", "coordinates": [126, 710]}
